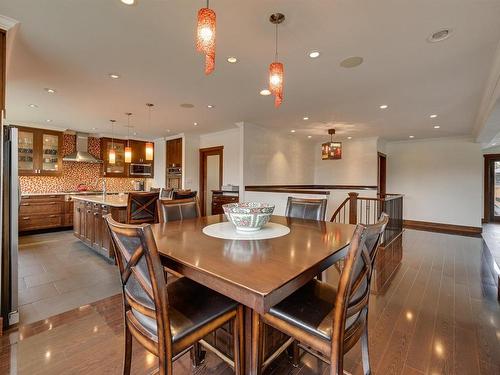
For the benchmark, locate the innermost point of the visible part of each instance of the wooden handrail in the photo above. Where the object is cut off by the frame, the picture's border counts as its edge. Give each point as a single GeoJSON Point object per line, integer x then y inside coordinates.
{"type": "Point", "coordinates": [337, 211]}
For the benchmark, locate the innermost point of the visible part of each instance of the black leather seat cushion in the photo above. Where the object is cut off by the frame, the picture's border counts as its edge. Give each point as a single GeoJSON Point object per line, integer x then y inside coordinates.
{"type": "Point", "coordinates": [191, 306]}
{"type": "Point", "coordinates": [311, 309]}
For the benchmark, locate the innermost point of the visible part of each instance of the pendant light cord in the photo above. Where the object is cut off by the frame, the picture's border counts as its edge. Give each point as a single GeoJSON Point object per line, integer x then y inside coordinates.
{"type": "Point", "coordinates": [276, 46]}
{"type": "Point", "coordinates": [208, 6]}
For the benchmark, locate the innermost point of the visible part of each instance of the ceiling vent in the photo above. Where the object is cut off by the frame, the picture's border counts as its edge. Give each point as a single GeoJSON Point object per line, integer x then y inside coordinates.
{"type": "Point", "coordinates": [439, 36]}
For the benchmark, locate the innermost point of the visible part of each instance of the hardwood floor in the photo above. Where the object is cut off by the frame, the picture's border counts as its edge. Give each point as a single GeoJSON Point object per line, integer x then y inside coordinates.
{"type": "Point", "coordinates": [439, 316]}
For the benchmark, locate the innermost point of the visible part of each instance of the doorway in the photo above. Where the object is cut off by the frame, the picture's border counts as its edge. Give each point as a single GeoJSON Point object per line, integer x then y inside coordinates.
{"type": "Point", "coordinates": [211, 162]}
{"type": "Point", "coordinates": [382, 174]}
{"type": "Point", "coordinates": [492, 188]}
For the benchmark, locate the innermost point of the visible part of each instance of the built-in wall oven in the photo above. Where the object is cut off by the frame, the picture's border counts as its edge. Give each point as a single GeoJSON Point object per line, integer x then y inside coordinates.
{"type": "Point", "coordinates": [174, 178]}
{"type": "Point", "coordinates": [141, 170]}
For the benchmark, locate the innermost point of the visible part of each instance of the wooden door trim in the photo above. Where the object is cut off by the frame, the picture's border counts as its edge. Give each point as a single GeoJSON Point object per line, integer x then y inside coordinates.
{"type": "Point", "coordinates": [381, 155]}
{"type": "Point", "coordinates": [488, 192]}
{"type": "Point", "coordinates": [204, 152]}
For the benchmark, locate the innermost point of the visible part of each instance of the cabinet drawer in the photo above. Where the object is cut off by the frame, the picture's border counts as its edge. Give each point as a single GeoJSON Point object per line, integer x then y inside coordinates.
{"type": "Point", "coordinates": [224, 199]}
{"type": "Point", "coordinates": [41, 208]}
{"type": "Point", "coordinates": [27, 222]}
{"type": "Point", "coordinates": [37, 198]}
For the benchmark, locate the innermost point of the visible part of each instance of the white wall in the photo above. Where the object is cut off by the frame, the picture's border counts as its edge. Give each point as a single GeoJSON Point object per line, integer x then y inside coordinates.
{"type": "Point", "coordinates": [440, 178]}
{"type": "Point", "coordinates": [159, 163]}
{"type": "Point", "coordinates": [190, 162]}
{"type": "Point", "coordinates": [230, 139]}
{"type": "Point", "coordinates": [358, 165]}
{"type": "Point", "coordinates": [272, 158]}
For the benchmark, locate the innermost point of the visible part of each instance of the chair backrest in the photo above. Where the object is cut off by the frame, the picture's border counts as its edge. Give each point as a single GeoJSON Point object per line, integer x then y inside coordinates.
{"type": "Point", "coordinates": [312, 209]}
{"type": "Point", "coordinates": [178, 209]}
{"type": "Point", "coordinates": [184, 194]}
{"type": "Point", "coordinates": [143, 282]}
{"type": "Point", "coordinates": [351, 304]}
{"type": "Point", "coordinates": [166, 193]}
{"type": "Point", "coordinates": [141, 208]}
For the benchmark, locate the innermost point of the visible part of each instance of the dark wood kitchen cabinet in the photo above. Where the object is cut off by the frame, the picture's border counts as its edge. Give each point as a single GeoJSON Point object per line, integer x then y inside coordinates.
{"type": "Point", "coordinates": [44, 212]}
{"type": "Point", "coordinates": [174, 152]}
{"type": "Point", "coordinates": [39, 152]}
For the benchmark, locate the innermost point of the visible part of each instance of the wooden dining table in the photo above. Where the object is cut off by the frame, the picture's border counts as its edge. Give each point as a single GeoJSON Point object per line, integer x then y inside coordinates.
{"type": "Point", "coordinates": [256, 273]}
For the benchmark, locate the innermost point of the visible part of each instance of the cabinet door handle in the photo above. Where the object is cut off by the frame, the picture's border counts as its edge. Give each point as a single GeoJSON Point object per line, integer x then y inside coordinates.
{"type": "Point", "coordinates": [88, 211]}
{"type": "Point", "coordinates": [25, 204]}
{"type": "Point", "coordinates": [52, 215]}
{"type": "Point", "coordinates": [26, 218]}
{"type": "Point", "coordinates": [96, 213]}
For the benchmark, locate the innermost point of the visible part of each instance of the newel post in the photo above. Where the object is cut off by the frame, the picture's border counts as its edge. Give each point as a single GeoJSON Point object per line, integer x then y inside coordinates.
{"type": "Point", "coordinates": [353, 208]}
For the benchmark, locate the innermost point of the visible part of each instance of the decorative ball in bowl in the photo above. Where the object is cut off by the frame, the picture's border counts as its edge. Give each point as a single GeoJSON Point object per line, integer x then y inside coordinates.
{"type": "Point", "coordinates": [248, 216]}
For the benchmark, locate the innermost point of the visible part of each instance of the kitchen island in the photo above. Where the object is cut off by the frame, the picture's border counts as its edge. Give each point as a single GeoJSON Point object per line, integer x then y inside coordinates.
{"type": "Point", "coordinates": [88, 219]}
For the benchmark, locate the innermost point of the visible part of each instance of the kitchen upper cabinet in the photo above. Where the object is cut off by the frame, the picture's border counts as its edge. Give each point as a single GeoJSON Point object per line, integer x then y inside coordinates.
{"type": "Point", "coordinates": [39, 152]}
{"type": "Point", "coordinates": [119, 168]}
{"type": "Point", "coordinates": [174, 152]}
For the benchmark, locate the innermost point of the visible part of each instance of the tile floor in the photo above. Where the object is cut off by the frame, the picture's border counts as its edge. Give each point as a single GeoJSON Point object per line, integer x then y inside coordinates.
{"type": "Point", "coordinates": [57, 273]}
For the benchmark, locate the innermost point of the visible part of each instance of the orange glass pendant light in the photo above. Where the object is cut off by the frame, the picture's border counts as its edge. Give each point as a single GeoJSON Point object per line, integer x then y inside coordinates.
{"type": "Point", "coordinates": [128, 149]}
{"type": "Point", "coordinates": [331, 150]}
{"type": "Point", "coordinates": [149, 145]}
{"type": "Point", "coordinates": [205, 37]}
{"type": "Point", "coordinates": [112, 153]}
{"type": "Point", "coordinates": [276, 69]}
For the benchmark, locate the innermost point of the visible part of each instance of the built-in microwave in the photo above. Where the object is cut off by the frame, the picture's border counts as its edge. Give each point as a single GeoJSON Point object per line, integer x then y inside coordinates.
{"type": "Point", "coordinates": [144, 170]}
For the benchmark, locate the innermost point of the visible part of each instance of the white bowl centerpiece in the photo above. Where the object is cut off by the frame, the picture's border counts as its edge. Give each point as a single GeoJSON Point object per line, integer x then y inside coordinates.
{"type": "Point", "coordinates": [248, 216]}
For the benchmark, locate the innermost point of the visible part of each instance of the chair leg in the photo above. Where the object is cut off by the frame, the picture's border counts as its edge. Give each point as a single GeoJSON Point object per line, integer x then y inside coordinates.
{"type": "Point", "coordinates": [127, 359]}
{"type": "Point", "coordinates": [197, 354]}
{"type": "Point", "coordinates": [365, 352]}
{"type": "Point", "coordinates": [256, 362]}
{"type": "Point", "coordinates": [295, 354]}
{"type": "Point", "coordinates": [238, 342]}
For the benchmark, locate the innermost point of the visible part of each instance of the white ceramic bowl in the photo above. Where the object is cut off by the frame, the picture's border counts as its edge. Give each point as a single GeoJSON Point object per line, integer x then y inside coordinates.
{"type": "Point", "coordinates": [248, 216]}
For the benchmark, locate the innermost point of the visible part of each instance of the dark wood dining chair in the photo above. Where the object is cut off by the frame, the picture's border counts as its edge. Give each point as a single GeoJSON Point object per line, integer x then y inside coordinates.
{"type": "Point", "coordinates": [141, 208]}
{"type": "Point", "coordinates": [328, 321]}
{"type": "Point", "coordinates": [167, 320]}
{"type": "Point", "coordinates": [312, 209]}
{"type": "Point", "coordinates": [184, 194]}
{"type": "Point", "coordinates": [178, 209]}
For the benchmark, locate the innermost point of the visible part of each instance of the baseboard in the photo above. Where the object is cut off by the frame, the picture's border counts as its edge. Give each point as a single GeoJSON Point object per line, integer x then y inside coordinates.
{"type": "Point", "coordinates": [462, 230]}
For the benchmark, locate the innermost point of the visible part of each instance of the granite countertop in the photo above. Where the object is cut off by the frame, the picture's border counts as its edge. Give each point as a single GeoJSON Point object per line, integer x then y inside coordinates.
{"type": "Point", "coordinates": [109, 200]}
{"type": "Point", "coordinates": [86, 192]}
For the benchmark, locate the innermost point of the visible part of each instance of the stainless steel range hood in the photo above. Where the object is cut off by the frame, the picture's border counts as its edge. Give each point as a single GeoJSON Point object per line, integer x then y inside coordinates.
{"type": "Point", "coordinates": [81, 154]}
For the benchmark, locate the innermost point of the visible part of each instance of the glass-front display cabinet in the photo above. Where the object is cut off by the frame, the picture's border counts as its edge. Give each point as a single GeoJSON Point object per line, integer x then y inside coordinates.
{"type": "Point", "coordinates": [39, 152]}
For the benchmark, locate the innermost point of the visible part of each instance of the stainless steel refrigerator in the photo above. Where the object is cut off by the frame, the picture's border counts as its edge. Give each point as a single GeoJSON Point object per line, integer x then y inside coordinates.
{"type": "Point", "coordinates": [9, 204]}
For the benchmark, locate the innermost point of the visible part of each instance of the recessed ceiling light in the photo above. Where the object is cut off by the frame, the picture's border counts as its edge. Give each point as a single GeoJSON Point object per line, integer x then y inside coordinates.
{"type": "Point", "coordinates": [433, 116]}
{"type": "Point", "coordinates": [384, 106]}
{"type": "Point", "coordinates": [305, 118]}
{"type": "Point", "coordinates": [351, 62]}
{"type": "Point", "coordinates": [33, 106]}
{"type": "Point", "coordinates": [292, 131]}
{"type": "Point", "coordinates": [314, 54]}
{"type": "Point", "coordinates": [439, 35]}
{"type": "Point", "coordinates": [195, 123]}
{"type": "Point", "coordinates": [232, 60]}
{"type": "Point", "coordinates": [114, 76]}
{"type": "Point", "coordinates": [187, 105]}
{"type": "Point", "coordinates": [265, 92]}
{"type": "Point", "coordinates": [48, 120]}
{"type": "Point", "coordinates": [128, 2]}
{"type": "Point", "coordinates": [436, 126]}
{"type": "Point", "coordinates": [349, 137]}
{"type": "Point", "coordinates": [309, 136]}
{"type": "Point", "coordinates": [411, 136]}
{"type": "Point", "coordinates": [168, 130]}
{"type": "Point", "coordinates": [210, 106]}
{"type": "Point", "coordinates": [50, 91]}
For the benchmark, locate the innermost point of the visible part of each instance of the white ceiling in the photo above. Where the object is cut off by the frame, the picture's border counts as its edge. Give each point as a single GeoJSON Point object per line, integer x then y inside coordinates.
{"type": "Point", "coordinates": [72, 46]}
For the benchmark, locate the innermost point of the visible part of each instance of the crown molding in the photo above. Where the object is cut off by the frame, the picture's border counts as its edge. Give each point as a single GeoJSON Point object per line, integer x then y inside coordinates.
{"type": "Point", "coordinates": [7, 23]}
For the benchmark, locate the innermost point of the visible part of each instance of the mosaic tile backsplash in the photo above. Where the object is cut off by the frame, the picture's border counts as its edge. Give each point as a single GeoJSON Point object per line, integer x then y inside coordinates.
{"type": "Point", "coordinates": [76, 173]}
